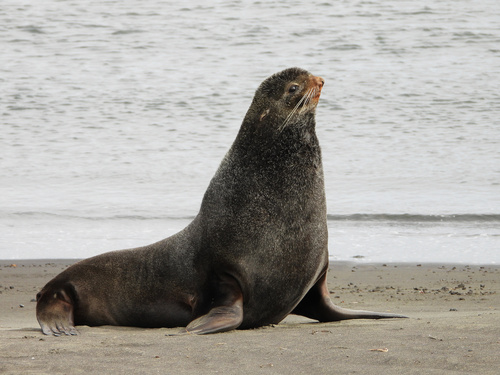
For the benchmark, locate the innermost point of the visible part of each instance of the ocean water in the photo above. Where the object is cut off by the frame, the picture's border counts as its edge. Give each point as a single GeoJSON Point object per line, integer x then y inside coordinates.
{"type": "Point", "coordinates": [116, 114]}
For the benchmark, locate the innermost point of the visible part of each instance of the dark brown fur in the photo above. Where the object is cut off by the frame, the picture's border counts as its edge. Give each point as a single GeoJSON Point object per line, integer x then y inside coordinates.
{"type": "Point", "coordinates": [256, 252]}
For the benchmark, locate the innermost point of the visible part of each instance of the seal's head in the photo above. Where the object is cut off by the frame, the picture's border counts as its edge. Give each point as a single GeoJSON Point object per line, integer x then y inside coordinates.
{"type": "Point", "coordinates": [284, 99]}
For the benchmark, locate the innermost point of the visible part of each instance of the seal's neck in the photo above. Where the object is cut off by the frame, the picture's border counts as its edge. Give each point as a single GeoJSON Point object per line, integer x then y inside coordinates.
{"type": "Point", "coordinates": [269, 138]}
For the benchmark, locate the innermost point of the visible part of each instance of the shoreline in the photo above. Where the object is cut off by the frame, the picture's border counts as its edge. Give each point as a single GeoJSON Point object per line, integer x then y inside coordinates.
{"type": "Point", "coordinates": [333, 263]}
{"type": "Point", "coordinates": [454, 327]}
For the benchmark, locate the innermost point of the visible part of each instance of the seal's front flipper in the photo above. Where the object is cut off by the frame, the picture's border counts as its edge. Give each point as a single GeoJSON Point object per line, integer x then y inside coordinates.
{"type": "Point", "coordinates": [317, 305]}
{"type": "Point", "coordinates": [219, 319]}
{"type": "Point", "coordinates": [54, 311]}
{"type": "Point", "coordinates": [227, 313]}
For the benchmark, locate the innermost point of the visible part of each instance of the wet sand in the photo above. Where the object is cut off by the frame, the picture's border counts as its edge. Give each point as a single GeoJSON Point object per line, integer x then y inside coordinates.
{"type": "Point", "coordinates": [454, 328]}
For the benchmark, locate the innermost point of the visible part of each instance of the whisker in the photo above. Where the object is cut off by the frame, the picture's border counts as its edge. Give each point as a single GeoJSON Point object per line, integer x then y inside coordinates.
{"type": "Point", "coordinates": [292, 113]}
{"type": "Point", "coordinates": [304, 100]}
{"type": "Point", "coordinates": [309, 95]}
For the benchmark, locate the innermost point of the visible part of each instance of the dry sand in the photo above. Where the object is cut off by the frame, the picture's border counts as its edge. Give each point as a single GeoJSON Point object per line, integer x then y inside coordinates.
{"type": "Point", "coordinates": [454, 328]}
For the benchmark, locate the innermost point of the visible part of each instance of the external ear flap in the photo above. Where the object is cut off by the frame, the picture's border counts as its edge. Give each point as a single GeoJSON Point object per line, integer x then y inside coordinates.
{"type": "Point", "coordinates": [263, 115]}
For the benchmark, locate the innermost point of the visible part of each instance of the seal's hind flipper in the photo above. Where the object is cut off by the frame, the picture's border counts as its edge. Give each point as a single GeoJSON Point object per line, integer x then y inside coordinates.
{"type": "Point", "coordinates": [227, 313]}
{"type": "Point", "coordinates": [54, 311]}
{"type": "Point", "coordinates": [317, 305]}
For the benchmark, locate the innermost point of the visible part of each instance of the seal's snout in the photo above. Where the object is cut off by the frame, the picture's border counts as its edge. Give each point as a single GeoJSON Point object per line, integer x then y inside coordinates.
{"type": "Point", "coordinates": [316, 83]}
{"type": "Point", "coordinates": [319, 81]}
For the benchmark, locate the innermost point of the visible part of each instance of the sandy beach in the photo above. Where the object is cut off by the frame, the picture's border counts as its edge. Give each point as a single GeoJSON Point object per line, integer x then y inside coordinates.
{"type": "Point", "coordinates": [454, 328]}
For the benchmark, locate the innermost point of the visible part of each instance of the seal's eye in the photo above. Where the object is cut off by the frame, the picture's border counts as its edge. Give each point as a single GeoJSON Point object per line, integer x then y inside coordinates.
{"type": "Point", "coordinates": [293, 88]}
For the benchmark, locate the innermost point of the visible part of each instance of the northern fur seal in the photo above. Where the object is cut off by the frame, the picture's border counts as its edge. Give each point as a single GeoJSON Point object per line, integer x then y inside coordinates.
{"type": "Point", "coordinates": [256, 252]}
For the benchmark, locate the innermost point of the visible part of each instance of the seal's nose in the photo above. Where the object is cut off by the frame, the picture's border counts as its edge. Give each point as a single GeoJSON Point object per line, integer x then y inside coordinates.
{"type": "Point", "coordinates": [321, 81]}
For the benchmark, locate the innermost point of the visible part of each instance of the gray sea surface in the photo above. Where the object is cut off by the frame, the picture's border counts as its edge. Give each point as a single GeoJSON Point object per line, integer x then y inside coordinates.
{"type": "Point", "coordinates": [116, 114]}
